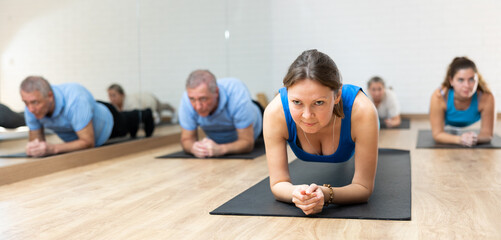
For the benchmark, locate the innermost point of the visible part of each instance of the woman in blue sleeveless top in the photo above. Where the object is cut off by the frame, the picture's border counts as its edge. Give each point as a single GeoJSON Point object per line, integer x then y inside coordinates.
{"type": "Point", "coordinates": [323, 121]}
{"type": "Point", "coordinates": [462, 100]}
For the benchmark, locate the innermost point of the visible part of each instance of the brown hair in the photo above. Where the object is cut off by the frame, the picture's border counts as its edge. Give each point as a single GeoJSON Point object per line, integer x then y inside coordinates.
{"type": "Point", "coordinates": [116, 87]}
{"type": "Point", "coordinates": [375, 79]}
{"type": "Point", "coordinates": [316, 66]}
{"type": "Point", "coordinates": [463, 63]}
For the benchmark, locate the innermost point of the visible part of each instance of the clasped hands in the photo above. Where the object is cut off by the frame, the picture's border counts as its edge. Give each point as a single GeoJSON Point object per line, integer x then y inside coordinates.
{"type": "Point", "coordinates": [469, 139]}
{"type": "Point", "coordinates": [206, 148]}
{"type": "Point", "coordinates": [310, 199]}
{"type": "Point", "coordinates": [37, 148]}
{"type": "Point", "coordinates": [389, 123]}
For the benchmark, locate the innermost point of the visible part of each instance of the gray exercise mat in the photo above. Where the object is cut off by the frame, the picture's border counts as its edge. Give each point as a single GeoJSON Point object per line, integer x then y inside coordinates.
{"type": "Point", "coordinates": [391, 199]}
{"type": "Point", "coordinates": [109, 142]}
{"type": "Point", "coordinates": [425, 140]}
{"type": "Point", "coordinates": [15, 155]}
{"type": "Point", "coordinates": [258, 150]}
{"type": "Point", "coordinates": [405, 123]}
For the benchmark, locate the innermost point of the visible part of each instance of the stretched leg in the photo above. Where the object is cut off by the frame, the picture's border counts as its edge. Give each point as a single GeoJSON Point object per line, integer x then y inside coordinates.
{"type": "Point", "coordinates": [131, 119]}
{"type": "Point", "coordinates": [261, 109]}
{"type": "Point", "coordinates": [9, 118]}
{"type": "Point", "coordinates": [123, 122]}
{"type": "Point", "coordinates": [135, 117]}
{"type": "Point", "coordinates": [149, 122]}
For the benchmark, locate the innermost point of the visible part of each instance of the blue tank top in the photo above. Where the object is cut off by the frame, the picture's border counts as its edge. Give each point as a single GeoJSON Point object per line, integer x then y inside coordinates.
{"type": "Point", "coordinates": [461, 118]}
{"type": "Point", "coordinates": [346, 147]}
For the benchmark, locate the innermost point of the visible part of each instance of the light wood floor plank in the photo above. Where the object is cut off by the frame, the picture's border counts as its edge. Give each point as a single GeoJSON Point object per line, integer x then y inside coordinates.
{"type": "Point", "coordinates": [456, 194]}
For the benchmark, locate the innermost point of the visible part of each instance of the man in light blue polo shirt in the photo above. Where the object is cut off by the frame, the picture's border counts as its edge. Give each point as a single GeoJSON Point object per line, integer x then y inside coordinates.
{"type": "Point", "coordinates": [224, 110]}
{"type": "Point", "coordinates": [73, 114]}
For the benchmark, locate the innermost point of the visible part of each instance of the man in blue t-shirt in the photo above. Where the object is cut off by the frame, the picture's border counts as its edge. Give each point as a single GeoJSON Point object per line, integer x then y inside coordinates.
{"type": "Point", "coordinates": [225, 112]}
{"type": "Point", "coordinates": [73, 114]}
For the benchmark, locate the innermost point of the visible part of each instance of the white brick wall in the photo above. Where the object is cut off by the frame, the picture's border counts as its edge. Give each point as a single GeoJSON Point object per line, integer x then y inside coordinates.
{"type": "Point", "coordinates": [408, 43]}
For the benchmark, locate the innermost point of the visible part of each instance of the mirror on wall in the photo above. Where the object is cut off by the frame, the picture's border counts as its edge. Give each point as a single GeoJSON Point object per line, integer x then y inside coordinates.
{"type": "Point", "coordinates": [145, 46]}
{"type": "Point", "coordinates": [230, 38]}
{"type": "Point", "coordinates": [90, 42]}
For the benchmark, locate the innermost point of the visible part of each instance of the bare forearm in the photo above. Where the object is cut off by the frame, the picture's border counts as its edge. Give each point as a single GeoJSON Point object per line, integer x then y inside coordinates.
{"type": "Point", "coordinates": [71, 146]}
{"type": "Point", "coordinates": [187, 144]}
{"type": "Point", "coordinates": [484, 138]}
{"type": "Point", "coordinates": [39, 134]}
{"type": "Point", "coordinates": [239, 146]}
{"type": "Point", "coordinates": [395, 121]}
{"type": "Point", "coordinates": [283, 191]}
{"type": "Point", "coordinates": [444, 137]}
{"type": "Point", "coordinates": [349, 194]}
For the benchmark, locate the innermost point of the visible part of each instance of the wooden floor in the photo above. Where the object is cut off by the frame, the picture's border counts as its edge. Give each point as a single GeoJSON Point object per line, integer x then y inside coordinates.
{"type": "Point", "coordinates": [456, 194]}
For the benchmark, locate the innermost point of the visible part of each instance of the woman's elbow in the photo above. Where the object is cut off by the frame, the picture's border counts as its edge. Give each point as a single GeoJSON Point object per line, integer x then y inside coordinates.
{"type": "Point", "coordinates": [365, 194]}
{"type": "Point", "coordinates": [486, 139]}
{"type": "Point", "coordinates": [436, 136]}
{"type": "Point", "coordinates": [276, 196]}
{"type": "Point", "coordinates": [278, 192]}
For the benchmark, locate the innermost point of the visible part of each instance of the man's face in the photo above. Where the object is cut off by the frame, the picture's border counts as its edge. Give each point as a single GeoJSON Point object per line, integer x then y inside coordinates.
{"type": "Point", "coordinates": [202, 99]}
{"type": "Point", "coordinates": [37, 104]}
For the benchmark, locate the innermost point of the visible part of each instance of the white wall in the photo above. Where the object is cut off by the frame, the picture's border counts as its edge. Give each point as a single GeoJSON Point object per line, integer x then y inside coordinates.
{"type": "Point", "coordinates": [92, 42]}
{"type": "Point", "coordinates": [408, 43]}
{"type": "Point", "coordinates": [153, 45]}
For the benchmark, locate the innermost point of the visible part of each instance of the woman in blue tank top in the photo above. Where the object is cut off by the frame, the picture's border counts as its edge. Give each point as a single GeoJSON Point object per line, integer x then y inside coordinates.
{"type": "Point", "coordinates": [323, 121]}
{"type": "Point", "coordinates": [462, 100]}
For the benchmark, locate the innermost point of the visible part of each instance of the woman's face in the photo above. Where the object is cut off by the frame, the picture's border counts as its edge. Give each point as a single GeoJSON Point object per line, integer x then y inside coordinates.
{"type": "Point", "coordinates": [311, 105]}
{"type": "Point", "coordinates": [376, 90]}
{"type": "Point", "coordinates": [464, 83]}
{"type": "Point", "coordinates": [115, 97]}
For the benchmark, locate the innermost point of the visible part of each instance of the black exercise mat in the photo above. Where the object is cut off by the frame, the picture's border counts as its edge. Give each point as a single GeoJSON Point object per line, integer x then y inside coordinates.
{"type": "Point", "coordinates": [256, 152]}
{"type": "Point", "coordinates": [425, 140]}
{"type": "Point", "coordinates": [391, 199]}
{"type": "Point", "coordinates": [120, 140]}
{"type": "Point", "coordinates": [405, 123]}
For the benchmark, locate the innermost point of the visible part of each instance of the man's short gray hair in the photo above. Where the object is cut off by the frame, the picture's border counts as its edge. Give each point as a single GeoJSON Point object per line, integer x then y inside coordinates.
{"type": "Point", "coordinates": [36, 83]}
{"type": "Point", "coordinates": [201, 76]}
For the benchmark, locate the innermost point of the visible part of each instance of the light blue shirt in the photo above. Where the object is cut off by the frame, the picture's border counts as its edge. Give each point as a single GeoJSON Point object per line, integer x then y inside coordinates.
{"type": "Point", "coordinates": [235, 110]}
{"type": "Point", "coordinates": [74, 108]}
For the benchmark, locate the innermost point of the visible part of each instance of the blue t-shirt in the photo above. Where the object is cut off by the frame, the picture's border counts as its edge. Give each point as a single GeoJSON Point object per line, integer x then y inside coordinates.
{"type": "Point", "coordinates": [346, 147]}
{"type": "Point", "coordinates": [461, 118]}
{"type": "Point", "coordinates": [235, 110]}
{"type": "Point", "coordinates": [74, 108]}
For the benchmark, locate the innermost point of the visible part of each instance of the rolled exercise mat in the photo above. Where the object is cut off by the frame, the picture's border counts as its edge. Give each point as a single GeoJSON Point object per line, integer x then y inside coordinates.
{"type": "Point", "coordinates": [425, 140]}
{"type": "Point", "coordinates": [391, 199]}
